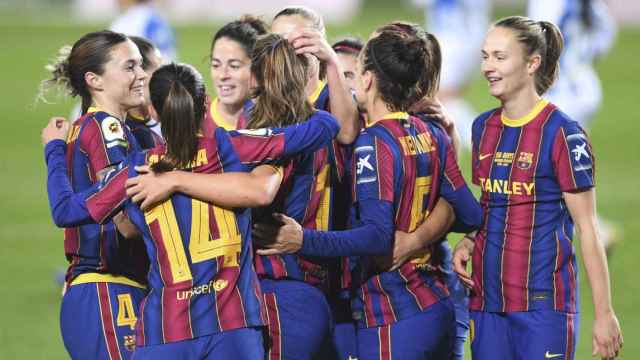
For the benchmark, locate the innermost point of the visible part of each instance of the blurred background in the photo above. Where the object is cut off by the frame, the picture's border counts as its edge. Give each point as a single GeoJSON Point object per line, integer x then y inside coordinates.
{"type": "Point", "coordinates": [31, 32]}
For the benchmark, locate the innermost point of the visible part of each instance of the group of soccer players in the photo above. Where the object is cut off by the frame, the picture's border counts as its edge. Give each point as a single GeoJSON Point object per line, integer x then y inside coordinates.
{"type": "Point", "coordinates": [302, 213]}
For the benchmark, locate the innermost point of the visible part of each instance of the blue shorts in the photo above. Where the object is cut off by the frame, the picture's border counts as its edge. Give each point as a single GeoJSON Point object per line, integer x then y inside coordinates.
{"type": "Point", "coordinates": [97, 320]}
{"type": "Point", "coordinates": [427, 335]}
{"type": "Point", "coordinates": [541, 334]}
{"type": "Point", "coordinates": [241, 344]}
{"type": "Point", "coordinates": [298, 318]}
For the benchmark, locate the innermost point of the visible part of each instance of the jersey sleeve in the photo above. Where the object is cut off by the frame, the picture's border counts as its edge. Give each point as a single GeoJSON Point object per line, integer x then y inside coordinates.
{"type": "Point", "coordinates": [258, 145]}
{"type": "Point", "coordinates": [454, 188]}
{"type": "Point", "coordinates": [94, 205]}
{"type": "Point", "coordinates": [373, 197]}
{"type": "Point", "coordinates": [373, 169]}
{"type": "Point", "coordinates": [572, 157]}
{"type": "Point", "coordinates": [104, 141]}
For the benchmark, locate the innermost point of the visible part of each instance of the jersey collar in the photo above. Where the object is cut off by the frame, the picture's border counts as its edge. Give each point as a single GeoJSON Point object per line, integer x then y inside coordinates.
{"type": "Point", "coordinates": [316, 93]}
{"type": "Point", "coordinates": [525, 119]}
{"type": "Point", "coordinates": [217, 117]}
{"type": "Point", "coordinates": [400, 115]}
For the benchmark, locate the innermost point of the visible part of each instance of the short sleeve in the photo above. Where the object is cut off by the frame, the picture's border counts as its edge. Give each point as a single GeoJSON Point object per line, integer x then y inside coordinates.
{"type": "Point", "coordinates": [373, 169]}
{"type": "Point", "coordinates": [573, 160]}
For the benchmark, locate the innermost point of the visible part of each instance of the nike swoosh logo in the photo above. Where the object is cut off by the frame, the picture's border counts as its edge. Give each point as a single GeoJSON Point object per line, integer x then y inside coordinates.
{"type": "Point", "coordinates": [547, 355]}
{"type": "Point", "coordinates": [484, 156]}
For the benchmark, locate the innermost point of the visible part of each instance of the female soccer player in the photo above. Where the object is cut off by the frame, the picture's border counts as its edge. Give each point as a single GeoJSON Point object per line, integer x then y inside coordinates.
{"type": "Point", "coordinates": [231, 50]}
{"type": "Point", "coordinates": [347, 50]}
{"type": "Point", "coordinates": [401, 167]}
{"type": "Point", "coordinates": [145, 128]}
{"type": "Point", "coordinates": [106, 274]}
{"type": "Point", "coordinates": [204, 299]}
{"type": "Point", "coordinates": [535, 167]}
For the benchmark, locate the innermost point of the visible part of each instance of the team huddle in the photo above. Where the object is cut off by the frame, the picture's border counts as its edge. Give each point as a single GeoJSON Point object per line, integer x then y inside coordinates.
{"type": "Point", "coordinates": [302, 213]}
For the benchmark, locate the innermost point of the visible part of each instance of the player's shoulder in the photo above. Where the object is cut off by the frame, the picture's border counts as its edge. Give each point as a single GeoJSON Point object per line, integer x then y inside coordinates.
{"type": "Point", "coordinates": [558, 119]}
{"type": "Point", "coordinates": [481, 119]}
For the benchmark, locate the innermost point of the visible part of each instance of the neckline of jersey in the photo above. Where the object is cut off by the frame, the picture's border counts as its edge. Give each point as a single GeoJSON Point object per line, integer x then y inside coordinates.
{"type": "Point", "coordinates": [400, 115]}
{"type": "Point", "coordinates": [217, 117]}
{"type": "Point", "coordinates": [524, 120]}
{"type": "Point", "coordinates": [316, 93]}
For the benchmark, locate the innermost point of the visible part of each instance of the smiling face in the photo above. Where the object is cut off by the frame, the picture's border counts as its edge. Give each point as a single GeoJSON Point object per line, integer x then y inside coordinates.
{"type": "Point", "coordinates": [123, 80]}
{"type": "Point", "coordinates": [505, 65]}
{"type": "Point", "coordinates": [230, 71]}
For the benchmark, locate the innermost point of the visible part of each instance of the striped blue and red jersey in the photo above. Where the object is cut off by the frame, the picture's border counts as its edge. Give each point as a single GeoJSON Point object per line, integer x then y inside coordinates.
{"type": "Point", "coordinates": [401, 166]}
{"type": "Point", "coordinates": [201, 278]}
{"type": "Point", "coordinates": [95, 142]}
{"type": "Point", "coordinates": [310, 194]}
{"type": "Point", "coordinates": [213, 119]}
{"type": "Point", "coordinates": [145, 130]}
{"type": "Point", "coordinates": [524, 257]}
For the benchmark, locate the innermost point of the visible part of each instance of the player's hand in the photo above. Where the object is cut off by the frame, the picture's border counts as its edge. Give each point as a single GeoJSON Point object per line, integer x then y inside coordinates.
{"type": "Point", "coordinates": [461, 256]}
{"type": "Point", "coordinates": [607, 336]}
{"type": "Point", "coordinates": [434, 108]}
{"type": "Point", "coordinates": [56, 129]}
{"type": "Point", "coordinates": [275, 240]}
{"type": "Point", "coordinates": [406, 245]}
{"type": "Point", "coordinates": [312, 41]}
{"type": "Point", "coordinates": [149, 188]}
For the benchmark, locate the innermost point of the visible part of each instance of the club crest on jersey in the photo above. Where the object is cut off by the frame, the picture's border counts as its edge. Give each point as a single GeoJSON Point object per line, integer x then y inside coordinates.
{"type": "Point", "coordinates": [524, 161]}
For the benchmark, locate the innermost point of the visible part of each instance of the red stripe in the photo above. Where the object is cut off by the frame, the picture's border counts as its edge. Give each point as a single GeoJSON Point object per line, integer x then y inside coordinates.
{"type": "Point", "coordinates": [384, 337]}
{"type": "Point", "coordinates": [92, 142]}
{"type": "Point", "coordinates": [570, 336]}
{"type": "Point", "coordinates": [176, 317]}
{"type": "Point", "coordinates": [384, 162]}
{"type": "Point", "coordinates": [369, 314]}
{"type": "Point", "coordinates": [251, 148]}
{"type": "Point", "coordinates": [273, 323]}
{"type": "Point", "coordinates": [557, 278]}
{"type": "Point", "coordinates": [106, 317]}
{"type": "Point", "coordinates": [388, 315]}
{"type": "Point", "coordinates": [229, 306]}
{"type": "Point", "coordinates": [489, 141]}
{"type": "Point", "coordinates": [416, 286]}
{"type": "Point", "coordinates": [161, 253]}
{"type": "Point", "coordinates": [140, 337]}
{"type": "Point", "coordinates": [110, 196]}
{"type": "Point", "coordinates": [476, 301]}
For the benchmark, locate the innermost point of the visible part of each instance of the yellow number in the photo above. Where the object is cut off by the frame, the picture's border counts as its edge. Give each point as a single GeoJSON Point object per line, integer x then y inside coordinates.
{"type": "Point", "coordinates": [171, 239]}
{"type": "Point", "coordinates": [422, 187]}
{"type": "Point", "coordinates": [126, 314]}
{"type": "Point", "coordinates": [202, 246]}
{"type": "Point", "coordinates": [322, 215]}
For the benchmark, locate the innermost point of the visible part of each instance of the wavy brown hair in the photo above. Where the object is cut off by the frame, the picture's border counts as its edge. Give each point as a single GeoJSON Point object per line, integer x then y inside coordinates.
{"type": "Point", "coordinates": [281, 76]}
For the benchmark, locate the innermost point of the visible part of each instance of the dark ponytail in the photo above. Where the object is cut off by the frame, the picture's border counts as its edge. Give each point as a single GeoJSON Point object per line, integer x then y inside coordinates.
{"type": "Point", "coordinates": [178, 95]}
{"type": "Point", "coordinates": [543, 38]}
{"type": "Point", "coordinates": [406, 61]}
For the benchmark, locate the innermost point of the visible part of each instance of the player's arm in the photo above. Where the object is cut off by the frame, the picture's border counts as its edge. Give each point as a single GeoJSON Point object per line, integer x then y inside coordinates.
{"type": "Point", "coordinates": [260, 145]}
{"type": "Point", "coordinates": [573, 164]}
{"type": "Point", "coordinates": [343, 106]}
{"type": "Point", "coordinates": [373, 185]}
{"type": "Point", "coordinates": [233, 189]}
{"type": "Point", "coordinates": [607, 336]}
{"type": "Point", "coordinates": [433, 229]}
{"type": "Point", "coordinates": [454, 189]}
